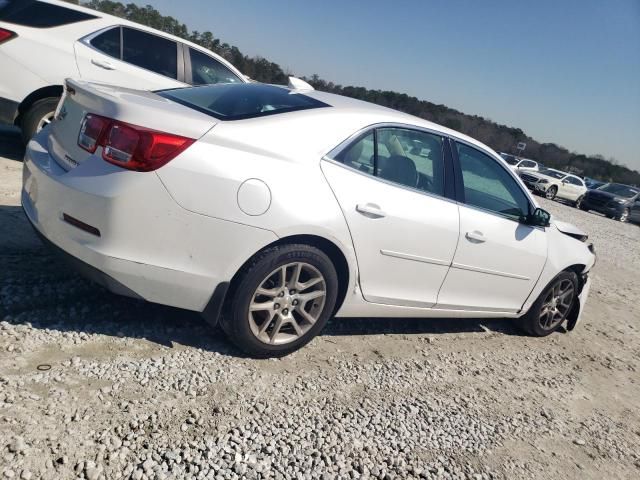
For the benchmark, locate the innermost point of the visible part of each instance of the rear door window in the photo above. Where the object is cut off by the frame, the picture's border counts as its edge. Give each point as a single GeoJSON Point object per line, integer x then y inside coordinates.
{"type": "Point", "coordinates": [575, 181]}
{"type": "Point", "coordinates": [32, 13]}
{"type": "Point", "coordinates": [411, 158]}
{"type": "Point", "coordinates": [207, 70]}
{"type": "Point", "coordinates": [108, 42]}
{"type": "Point", "coordinates": [151, 52]}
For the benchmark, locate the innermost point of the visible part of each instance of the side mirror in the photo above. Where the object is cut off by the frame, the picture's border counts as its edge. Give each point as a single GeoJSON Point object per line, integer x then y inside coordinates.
{"type": "Point", "coordinates": [539, 218]}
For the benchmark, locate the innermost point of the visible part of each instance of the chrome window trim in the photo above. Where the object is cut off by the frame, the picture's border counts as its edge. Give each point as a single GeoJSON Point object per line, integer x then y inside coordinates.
{"type": "Point", "coordinates": [370, 128]}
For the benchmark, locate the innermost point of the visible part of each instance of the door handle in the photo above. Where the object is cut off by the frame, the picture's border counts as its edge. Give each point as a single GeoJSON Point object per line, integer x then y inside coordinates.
{"type": "Point", "coordinates": [370, 209]}
{"type": "Point", "coordinates": [102, 64]}
{"type": "Point", "coordinates": [476, 237]}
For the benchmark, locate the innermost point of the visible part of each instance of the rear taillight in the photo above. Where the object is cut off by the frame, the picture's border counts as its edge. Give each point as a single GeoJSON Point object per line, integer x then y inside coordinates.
{"type": "Point", "coordinates": [6, 35]}
{"type": "Point", "coordinates": [130, 146]}
{"type": "Point", "coordinates": [91, 131]}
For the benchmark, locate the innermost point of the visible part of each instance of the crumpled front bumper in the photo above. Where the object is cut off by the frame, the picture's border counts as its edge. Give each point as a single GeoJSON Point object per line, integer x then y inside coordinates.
{"type": "Point", "coordinates": [575, 316]}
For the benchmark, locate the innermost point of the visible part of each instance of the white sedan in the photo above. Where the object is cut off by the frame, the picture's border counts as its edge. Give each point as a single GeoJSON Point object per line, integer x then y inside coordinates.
{"type": "Point", "coordinates": [271, 209]}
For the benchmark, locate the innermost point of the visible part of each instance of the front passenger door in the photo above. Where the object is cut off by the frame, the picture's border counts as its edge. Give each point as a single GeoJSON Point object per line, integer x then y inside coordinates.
{"type": "Point", "coordinates": [499, 258]}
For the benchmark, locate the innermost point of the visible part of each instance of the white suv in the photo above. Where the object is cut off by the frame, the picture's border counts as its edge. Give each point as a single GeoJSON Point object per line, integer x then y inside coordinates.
{"type": "Point", "coordinates": [42, 42]}
{"type": "Point", "coordinates": [555, 184]}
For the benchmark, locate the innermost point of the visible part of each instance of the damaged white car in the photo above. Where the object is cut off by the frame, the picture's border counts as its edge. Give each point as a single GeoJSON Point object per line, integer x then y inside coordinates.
{"type": "Point", "coordinates": [271, 209]}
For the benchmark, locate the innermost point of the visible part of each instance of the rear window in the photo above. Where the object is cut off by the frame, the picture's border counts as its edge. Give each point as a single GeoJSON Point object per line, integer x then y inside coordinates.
{"type": "Point", "coordinates": [108, 42]}
{"type": "Point", "coordinates": [240, 101]}
{"type": "Point", "coordinates": [149, 51]}
{"type": "Point", "coordinates": [32, 13]}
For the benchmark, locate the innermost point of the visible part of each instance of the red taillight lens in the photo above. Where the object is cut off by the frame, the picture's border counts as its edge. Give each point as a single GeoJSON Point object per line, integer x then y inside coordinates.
{"type": "Point", "coordinates": [6, 35]}
{"type": "Point", "coordinates": [130, 146]}
{"type": "Point", "coordinates": [120, 144]}
{"type": "Point", "coordinates": [91, 130]}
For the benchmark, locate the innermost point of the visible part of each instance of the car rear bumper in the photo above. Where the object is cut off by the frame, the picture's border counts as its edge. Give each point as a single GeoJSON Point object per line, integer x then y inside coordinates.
{"type": "Point", "coordinates": [141, 242]}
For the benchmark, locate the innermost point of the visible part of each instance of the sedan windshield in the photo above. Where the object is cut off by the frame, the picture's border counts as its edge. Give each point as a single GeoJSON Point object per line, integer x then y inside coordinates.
{"type": "Point", "coordinates": [619, 190]}
{"type": "Point", "coordinates": [549, 172]}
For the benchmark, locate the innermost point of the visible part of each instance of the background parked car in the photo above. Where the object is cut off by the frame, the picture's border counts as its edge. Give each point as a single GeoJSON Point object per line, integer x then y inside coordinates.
{"type": "Point", "coordinates": [555, 184]}
{"type": "Point", "coordinates": [520, 164]}
{"type": "Point", "coordinates": [42, 42]}
{"type": "Point", "coordinates": [592, 183]}
{"type": "Point", "coordinates": [614, 200]}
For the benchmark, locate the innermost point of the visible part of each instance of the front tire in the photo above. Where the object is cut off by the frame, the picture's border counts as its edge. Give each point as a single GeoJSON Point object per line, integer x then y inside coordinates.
{"type": "Point", "coordinates": [552, 306]}
{"type": "Point", "coordinates": [551, 192]}
{"type": "Point", "coordinates": [624, 216]}
{"type": "Point", "coordinates": [37, 117]}
{"type": "Point", "coordinates": [283, 299]}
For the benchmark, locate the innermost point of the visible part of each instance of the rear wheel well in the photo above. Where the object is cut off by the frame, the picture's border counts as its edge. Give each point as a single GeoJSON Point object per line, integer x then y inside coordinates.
{"type": "Point", "coordinates": [33, 97]}
{"type": "Point", "coordinates": [326, 246]}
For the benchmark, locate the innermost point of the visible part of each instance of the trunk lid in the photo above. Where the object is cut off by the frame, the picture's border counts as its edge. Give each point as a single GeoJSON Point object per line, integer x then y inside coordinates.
{"type": "Point", "coordinates": [137, 107]}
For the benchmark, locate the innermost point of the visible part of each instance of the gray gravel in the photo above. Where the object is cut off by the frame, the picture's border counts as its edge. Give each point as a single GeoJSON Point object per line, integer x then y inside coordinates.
{"type": "Point", "coordinates": [97, 386]}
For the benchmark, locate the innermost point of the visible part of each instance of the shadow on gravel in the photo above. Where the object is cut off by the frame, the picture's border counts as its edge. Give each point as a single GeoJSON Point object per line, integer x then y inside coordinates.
{"type": "Point", "coordinates": [418, 326]}
{"type": "Point", "coordinates": [11, 146]}
{"type": "Point", "coordinates": [38, 289]}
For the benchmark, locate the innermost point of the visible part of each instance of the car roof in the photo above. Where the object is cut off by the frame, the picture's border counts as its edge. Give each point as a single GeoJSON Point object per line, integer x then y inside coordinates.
{"type": "Point", "coordinates": [287, 134]}
{"type": "Point", "coordinates": [104, 20]}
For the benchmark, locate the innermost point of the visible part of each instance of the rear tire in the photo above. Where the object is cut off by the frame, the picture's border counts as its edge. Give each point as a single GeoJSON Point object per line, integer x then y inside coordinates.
{"type": "Point", "coordinates": [296, 313]}
{"type": "Point", "coordinates": [38, 115]}
{"type": "Point", "coordinates": [552, 306]}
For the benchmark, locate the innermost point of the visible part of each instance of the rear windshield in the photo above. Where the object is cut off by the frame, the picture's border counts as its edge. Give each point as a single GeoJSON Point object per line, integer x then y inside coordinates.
{"type": "Point", "coordinates": [32, 13]}
{"type": "Point", "coordinates": [237, 101]}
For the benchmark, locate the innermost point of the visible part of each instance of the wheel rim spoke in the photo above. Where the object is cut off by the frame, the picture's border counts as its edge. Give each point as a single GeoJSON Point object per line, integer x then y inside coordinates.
{"type": "Point", "coordinates": [276, 329]}
{"type": "Point", "coordinates": [305, 297]}
{"type": "Point", "coordinates": [306, 316]}
{"type": "Point", "coordinates": [267, 322]}
{"type": "Point", "coordinates": [259, 307]}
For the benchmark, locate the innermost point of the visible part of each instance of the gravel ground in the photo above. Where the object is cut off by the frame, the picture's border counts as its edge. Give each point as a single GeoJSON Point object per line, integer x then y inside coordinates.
{"type": "Point", "coordinates": [97, 386]}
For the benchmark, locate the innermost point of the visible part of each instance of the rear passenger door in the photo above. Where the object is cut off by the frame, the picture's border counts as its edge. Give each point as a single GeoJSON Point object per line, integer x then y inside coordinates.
{"type": "Point", "coordinates": [129, 57]}
{"type": "Point", "coordinates": [390, 184]}
{"type": "Point", "coordinates": [574, 188]}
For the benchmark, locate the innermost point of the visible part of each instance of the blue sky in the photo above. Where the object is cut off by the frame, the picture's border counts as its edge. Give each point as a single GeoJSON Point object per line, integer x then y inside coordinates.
{"type": "Point", "coordinates": [564, 71]}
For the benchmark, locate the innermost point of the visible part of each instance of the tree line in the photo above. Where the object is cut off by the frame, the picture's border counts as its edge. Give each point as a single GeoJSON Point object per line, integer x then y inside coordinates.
{"type": "Point", "coordinates": [500, 137]}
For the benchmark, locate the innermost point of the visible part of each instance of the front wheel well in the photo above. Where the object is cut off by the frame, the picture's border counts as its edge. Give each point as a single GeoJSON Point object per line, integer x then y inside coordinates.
{"type": "Point", "coordinates": [578, 269]}
{"type": "Point", "coordinates": [326, 246]}
{"type": "Point", "coordinates": [33, 97]}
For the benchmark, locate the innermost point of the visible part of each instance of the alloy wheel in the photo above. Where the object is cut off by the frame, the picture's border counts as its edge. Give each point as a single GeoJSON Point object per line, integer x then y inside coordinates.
{"type": "Point", "coordinates": [287, 303]}
{"type": "Point", "coordinates": [550, 193]}
{"type": "Point", "coordinates": [557, 304]}
{"type": "Point", "coordinates": [44, 121]}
